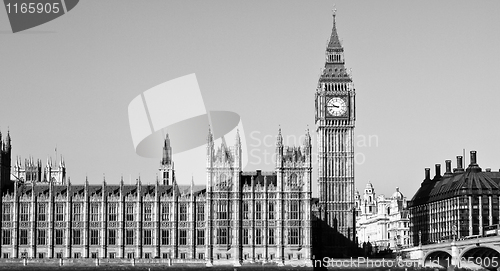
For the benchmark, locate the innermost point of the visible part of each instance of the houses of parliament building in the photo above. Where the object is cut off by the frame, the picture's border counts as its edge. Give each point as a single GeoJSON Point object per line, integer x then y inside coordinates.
{"type": "Point", "coordinates": [237, 217]}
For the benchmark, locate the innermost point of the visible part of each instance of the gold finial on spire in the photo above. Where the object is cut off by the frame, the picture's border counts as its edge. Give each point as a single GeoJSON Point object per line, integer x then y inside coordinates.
{"type": "Point", "coordinates": [334, 10]}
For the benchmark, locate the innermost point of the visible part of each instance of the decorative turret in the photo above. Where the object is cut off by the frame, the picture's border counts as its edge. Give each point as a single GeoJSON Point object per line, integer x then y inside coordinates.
{"type": "Point", "coordinates": [237, 149]}
{"type": "Point", "coordinates": [166, 164]}
{"type": "Point", "coordinates": [279, 149]}
{"type": "Point", "coordinates": [167, 152]}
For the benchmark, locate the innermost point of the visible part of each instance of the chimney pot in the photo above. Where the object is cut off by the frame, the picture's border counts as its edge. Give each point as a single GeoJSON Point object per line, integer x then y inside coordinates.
{"type": "Point", "coordinates": [488, 169]}
{"type": "Point", "coordinates": [460, 167]}
{"type": "Point", "coordinates": [473, 158]}
{"type": "Point", "coordinates": [448, 166]}
{"type": "Point", "coordinates": [427, 173]}
{"type": "Point", "coordinates": [460, 162]}
{"type": "Point", "coordinates": [438, 170]}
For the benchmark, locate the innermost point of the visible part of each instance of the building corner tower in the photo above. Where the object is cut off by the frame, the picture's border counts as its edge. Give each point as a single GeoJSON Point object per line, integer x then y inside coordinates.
{"type": "Point", "coordinates": [335, 119]}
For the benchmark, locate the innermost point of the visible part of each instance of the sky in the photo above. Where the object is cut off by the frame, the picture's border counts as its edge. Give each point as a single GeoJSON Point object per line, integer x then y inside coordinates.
{"type": "Point", "coordinates": [426, 76]}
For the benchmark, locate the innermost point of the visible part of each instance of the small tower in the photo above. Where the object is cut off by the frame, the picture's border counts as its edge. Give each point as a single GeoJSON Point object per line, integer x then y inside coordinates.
{"type": "Point", "coordinates": [166, 163]}
{"type": "Point", "coordinates": [5, 160]}
{"type": "Point", "coordinates": [56, 175]}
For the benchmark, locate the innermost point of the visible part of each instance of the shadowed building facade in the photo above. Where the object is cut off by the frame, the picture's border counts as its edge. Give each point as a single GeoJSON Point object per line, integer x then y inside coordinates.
{"type": "Point", "coordinates": [238, 217]}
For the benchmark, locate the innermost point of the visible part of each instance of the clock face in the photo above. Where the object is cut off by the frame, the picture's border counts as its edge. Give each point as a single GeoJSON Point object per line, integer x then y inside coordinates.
{"type": "Point", "coordinates": [336, 107]}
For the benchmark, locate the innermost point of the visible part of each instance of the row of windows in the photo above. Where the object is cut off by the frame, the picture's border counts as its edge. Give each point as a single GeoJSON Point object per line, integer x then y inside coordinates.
{"type": "Point", "coordinates": [222, 237]}
{"type": "Point", "coordinates": [77, 239]}
{"type": "Point", "coordinates": [223, 211]}
{"type": "Point", "coordinates": [77, 213]}
{"type": "Point", "coordinates": [111, 255]}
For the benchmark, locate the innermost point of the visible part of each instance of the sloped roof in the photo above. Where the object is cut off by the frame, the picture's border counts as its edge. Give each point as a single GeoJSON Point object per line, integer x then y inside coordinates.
{"type": "Point", "coordinates": [470, 182]}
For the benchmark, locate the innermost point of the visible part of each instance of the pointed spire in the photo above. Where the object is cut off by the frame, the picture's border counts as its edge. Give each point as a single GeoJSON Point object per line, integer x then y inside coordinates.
{"type": "Point", "coordinates": [334, 70]}
{"type": "Point", "coordinates": [210, 137]}
{"type": "Point", "coordinates": [167, 152]}
{"type": "Point", "coordinates": [8, 141]}
{"type": "Point", "coordinates": [307, 139]}
{"type": "Point", "coordinates": [334, 41]}
{"type": "Point", "coordinates": [279, 139]}
{"type": "Point", "coordinates": [238, 139]}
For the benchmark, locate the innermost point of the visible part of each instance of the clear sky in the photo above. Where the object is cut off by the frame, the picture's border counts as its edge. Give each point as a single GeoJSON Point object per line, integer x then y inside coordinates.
{"type": "Point", "coordinates": [426, 75]}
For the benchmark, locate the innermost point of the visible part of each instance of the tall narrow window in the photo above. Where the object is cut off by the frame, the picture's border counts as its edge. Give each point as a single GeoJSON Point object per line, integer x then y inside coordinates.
{"type": "Point", "coordinates": [77, 212]}
{"type": "Point", "coordinates": [200, 236]}
{"type": "Point", "coordinates": [271, 210]}
{"type": "Point", "coordinates": [60, 211]}
{"type": "Point", "coordinates": [258, 210]}
{"type": "Point", "coordinates": [42, 237]}
{"type": "Point", "coordinates": [77, 237]}
{"type": "Point", "coordinates": [94, 212]}
{"type": "Point", "coordinates": [6, 212]}
{"type": "Point", "coordinates": [129, 237]}
{"type": "Point", "coordinates": [200, 212]}
{"type": "Point", "coordinates": [59, 236]}
{"type": "Point", "coordinates": [165, 212]}
{"type": "Point", "coordinates": [112, 212]}
{"type": "Point", "coordinates": [130, 212]}
{"type": "Point", "coordinates": [294, 210]}
{"type": "Point", "coordinates": [23, 237]}
{"type": "Point", "coordinates": [42, 211]}
{"type": "Point", "coordinates": [258, 236]}
{"type": "Point", "coordinates": [148, 212]}
{"type": "Point", "coordinates": [270, 237]}
{"type": "Point", "coordinates": [165, 237]}
{"type": "Point", "coordinates": [182, 237]}
{"type": "Point", "coordinates": [6, 237]}
{"type": "Point", "coordinates": [245, 236]}
{"type": "Point", "coordinates": [112, 237]}
{"type": "Point", "coordinates": [25, 212]}
{"type": "Point", "coordinates": [245, 210]}
{"type": "Point", "coordinates": [182, 212]}
{"type": "Point", "coordinates": [147, 238]}
{"type": "Point", "coordinates": [94, 237]}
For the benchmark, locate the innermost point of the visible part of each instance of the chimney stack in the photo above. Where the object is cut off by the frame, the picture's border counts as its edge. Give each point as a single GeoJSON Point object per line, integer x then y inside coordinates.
{"type": "Point", "coordinates": [438, 171]}
{"type": "Point", "coordinates": [448, 167]}
{"type": "Point", "coordinates": [473, 166]}
{"type": "Point", "coordinates": [473, 158]}
{"type": "Point", "coordinates": [460, 167]}
{"type": "Point", "coordinates": [427, 173]}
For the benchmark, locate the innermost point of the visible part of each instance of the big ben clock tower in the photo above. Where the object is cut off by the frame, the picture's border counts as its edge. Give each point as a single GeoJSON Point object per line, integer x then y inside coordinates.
{"type": "Point", "coordinates": [335, 117]}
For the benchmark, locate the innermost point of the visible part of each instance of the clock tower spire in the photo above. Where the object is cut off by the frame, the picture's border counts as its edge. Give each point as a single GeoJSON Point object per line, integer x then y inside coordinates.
{"type": "Point", "coordinates": [335, 118]}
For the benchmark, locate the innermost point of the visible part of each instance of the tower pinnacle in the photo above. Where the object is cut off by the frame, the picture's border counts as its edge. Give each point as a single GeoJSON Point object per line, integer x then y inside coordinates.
{"type": "Point", "coordinates": [167, 152]}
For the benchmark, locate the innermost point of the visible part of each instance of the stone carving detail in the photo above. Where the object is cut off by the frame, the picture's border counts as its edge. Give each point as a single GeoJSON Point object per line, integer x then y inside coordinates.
{"type": "Point", "coordinates": [77, 224]}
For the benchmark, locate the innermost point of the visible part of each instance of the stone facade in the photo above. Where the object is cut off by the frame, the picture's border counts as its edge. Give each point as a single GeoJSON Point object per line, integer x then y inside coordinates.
{"type": "Point", "coordinates": [382, 222]}
{"type": "Point", "coordinates": [238, 217]}
{"type": "Point", "coordinates": [335, 120]}
{"type": "Point", "coordinates": [461, 203]}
